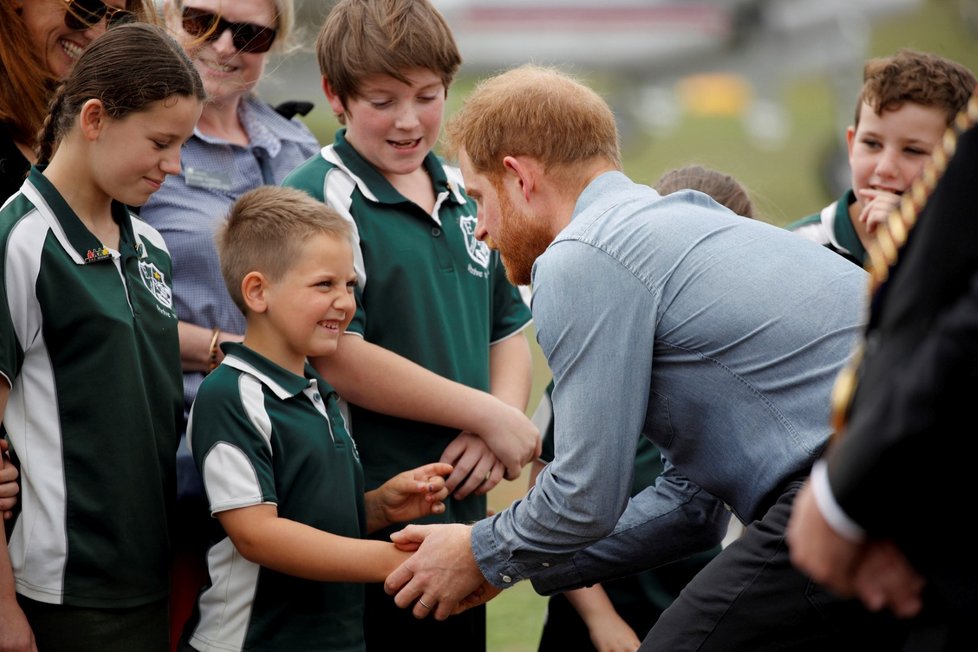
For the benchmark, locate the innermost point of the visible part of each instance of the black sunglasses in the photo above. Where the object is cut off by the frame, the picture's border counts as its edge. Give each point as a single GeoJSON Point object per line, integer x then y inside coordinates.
{"type": "Point", "coordinates": [247, 37]}
{"type": "Point", "coordinates": [85, 14]}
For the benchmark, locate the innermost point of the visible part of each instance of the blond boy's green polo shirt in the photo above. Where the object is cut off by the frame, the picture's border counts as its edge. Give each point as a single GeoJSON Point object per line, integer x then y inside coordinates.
{"type": "Point", "coordinates": [261, 435]}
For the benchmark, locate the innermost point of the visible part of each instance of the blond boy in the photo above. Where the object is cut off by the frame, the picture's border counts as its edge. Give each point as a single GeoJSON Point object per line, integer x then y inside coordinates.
{"type": "Point", "coordinates": [281, 474]}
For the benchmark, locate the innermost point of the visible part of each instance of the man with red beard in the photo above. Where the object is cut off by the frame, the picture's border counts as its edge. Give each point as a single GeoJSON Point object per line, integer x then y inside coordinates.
{"type": "Point", "coordinates": [716, 337]}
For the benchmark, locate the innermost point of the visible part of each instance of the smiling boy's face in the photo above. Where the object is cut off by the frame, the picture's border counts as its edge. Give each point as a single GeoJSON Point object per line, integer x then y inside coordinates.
{"type": "Point", "coordinates": [392, 124]}
{"type": "Point", "coordinates": [887, 152]}
{"type": "Point", "coordinates": [309, 308]}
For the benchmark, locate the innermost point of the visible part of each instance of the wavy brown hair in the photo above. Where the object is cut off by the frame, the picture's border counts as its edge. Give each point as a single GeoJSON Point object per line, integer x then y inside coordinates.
{"type": "Point", "coordinates": [917, 77]}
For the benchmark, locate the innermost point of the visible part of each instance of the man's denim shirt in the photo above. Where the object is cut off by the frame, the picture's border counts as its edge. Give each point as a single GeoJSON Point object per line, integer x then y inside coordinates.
{"type": "Point", "coordinates": [716, 336]}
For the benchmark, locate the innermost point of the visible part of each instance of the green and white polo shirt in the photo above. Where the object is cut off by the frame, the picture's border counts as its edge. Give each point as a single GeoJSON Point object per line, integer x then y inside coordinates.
{"type": "Point", "coordinates": [262, 435]}
{"type": "Point", "coordinates": [88, 343]}
{"type": "Point", "coordinates": [832, 227]}
{"type": "Point", "coordinates": [429, 291]}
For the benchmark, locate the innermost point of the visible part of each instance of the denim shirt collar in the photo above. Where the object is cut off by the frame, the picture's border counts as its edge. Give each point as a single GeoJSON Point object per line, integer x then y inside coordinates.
{"type": "Point", "coordinates": [600, 188]}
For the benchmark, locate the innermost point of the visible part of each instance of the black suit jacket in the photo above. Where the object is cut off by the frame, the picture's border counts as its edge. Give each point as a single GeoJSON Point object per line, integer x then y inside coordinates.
{"type": "Point", "coordinates": [906, 467]}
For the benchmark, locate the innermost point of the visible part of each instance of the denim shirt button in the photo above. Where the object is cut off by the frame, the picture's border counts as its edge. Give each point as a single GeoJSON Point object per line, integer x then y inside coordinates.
{"type": "Point", "coordinates": [507, 579]}
{"type": "Point", "coordinates": [546, 564]}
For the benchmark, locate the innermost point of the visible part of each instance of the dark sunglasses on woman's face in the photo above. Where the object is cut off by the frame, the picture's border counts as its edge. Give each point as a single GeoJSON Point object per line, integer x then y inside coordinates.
{"type": "Point", "coordinates": [247, 37]}
{"type": "Point", "coordinates": [85, 14]}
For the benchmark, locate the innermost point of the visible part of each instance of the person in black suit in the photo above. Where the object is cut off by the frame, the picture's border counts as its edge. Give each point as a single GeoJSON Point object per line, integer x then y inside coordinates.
{"type": "Point", "coordinates": [887, 514]}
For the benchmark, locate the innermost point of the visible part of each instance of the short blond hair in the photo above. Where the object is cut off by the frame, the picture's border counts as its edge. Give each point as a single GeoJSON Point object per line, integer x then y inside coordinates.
{"type": "Point", "coordinates": [537, 112]}
{"type": "Point", "coordinates": [265, 230]}
{"type": "Point", "coordinates": [360, 38]}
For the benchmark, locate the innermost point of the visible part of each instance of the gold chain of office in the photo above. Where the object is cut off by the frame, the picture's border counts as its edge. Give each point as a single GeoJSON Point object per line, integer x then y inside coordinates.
{"type": "Point", "coordinates": [890, 238]}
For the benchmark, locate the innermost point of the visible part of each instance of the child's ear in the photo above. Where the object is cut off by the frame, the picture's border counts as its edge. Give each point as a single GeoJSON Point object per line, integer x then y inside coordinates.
{"type": "Point", "coordinates": [92, 118]}
{"type": "Point", "coordinates": [335, 103]}
{"type": "Point", "coordinates": [254, 287]}
{"type": "Point", "coordinates": [850, 138]}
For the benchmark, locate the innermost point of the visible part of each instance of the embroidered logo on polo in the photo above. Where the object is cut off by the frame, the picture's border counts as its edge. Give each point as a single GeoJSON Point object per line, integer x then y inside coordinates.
{"type": "Point", "coordinates": [478, 250]}
{"type": "Point", "coordinates": [155, 282]}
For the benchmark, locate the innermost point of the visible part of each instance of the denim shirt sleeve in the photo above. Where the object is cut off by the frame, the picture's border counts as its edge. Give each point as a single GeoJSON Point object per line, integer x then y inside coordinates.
{"type": "Point", "coordinates": [584, 302]}
{"type": "Point", "coordinates": [666, 522]}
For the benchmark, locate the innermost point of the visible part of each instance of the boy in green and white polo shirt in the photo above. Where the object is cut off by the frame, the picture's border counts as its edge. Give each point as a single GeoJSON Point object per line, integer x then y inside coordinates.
{"type": "Point", "coordinates": [906, 103]}
{"type": "Point", "coordinates": [435, 365]}
{"type": "Point", "coordinates": [280, 471]}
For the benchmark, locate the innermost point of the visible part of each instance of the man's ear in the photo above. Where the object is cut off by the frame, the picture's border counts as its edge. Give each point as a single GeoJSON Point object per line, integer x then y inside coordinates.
{"type": "Point", "coordinates": [254, 290]}
{"type": "Point", "coordinates": [91, 118]}
{"type": "Point", "coordinates": [524, 172]}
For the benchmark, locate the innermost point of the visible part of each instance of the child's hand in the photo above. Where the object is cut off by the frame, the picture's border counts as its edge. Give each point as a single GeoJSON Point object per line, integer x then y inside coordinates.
{"type": "Point", "coordinates": [513, 439]}
{"type": "Point", "coordinates": [877, 206]}
{"type": "Point", "coordinates": [477, 470]}
{"type": "Point", "coordinates": [481, 595]}
{"type": "Point", "coordinates": [8, 482]}
{"type": "Point", "coordinates": [407, 496]}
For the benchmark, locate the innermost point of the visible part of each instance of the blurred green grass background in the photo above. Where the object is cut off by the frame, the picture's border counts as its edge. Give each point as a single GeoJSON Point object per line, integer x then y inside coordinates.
{"type": "Point", "coordinates": [785, 182]}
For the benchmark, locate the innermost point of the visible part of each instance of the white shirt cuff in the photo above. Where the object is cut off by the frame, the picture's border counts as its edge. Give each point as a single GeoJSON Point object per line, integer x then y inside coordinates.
{"type": "Point", "coordinates": [837, 519]}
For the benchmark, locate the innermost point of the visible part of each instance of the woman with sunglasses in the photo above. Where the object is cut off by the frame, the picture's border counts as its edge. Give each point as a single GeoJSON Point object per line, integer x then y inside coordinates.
{"type": "Point", "coordinates": [39, 42]}
{"type": "Point", "coordinates": [240, 143]}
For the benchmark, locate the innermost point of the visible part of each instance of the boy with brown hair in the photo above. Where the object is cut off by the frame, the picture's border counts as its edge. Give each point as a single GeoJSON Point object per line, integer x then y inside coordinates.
{"type": "Point", "coordinates": [281, 473]}
{"type": "Point", "coordinates": [434, 365]}
{"type": "Point", "coordinates": [906, 103]}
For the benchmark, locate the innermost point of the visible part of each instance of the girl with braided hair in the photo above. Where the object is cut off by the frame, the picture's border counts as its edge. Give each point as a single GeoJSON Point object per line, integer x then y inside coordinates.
{"type": "Point", "coordinates": [90, 391]}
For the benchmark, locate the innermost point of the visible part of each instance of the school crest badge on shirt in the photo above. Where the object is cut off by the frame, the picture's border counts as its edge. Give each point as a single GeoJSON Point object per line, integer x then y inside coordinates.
{"type": "Point", "coordinates": [155, 282]}
{"type": "Point", "coordinates": [478, 250]}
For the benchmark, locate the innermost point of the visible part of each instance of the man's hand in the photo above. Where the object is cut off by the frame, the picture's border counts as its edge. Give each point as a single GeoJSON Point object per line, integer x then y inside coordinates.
{"type": "Point", "coordinates": [439, 575]}
{"type": "Point", "coordinates": [476, 469]}
{"type": "Point", "coordinates": [875, 571]}
{"type": "Point", "coordinates": [886, 580]}
{"type": "Point", "coordinates": [8, 482]}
